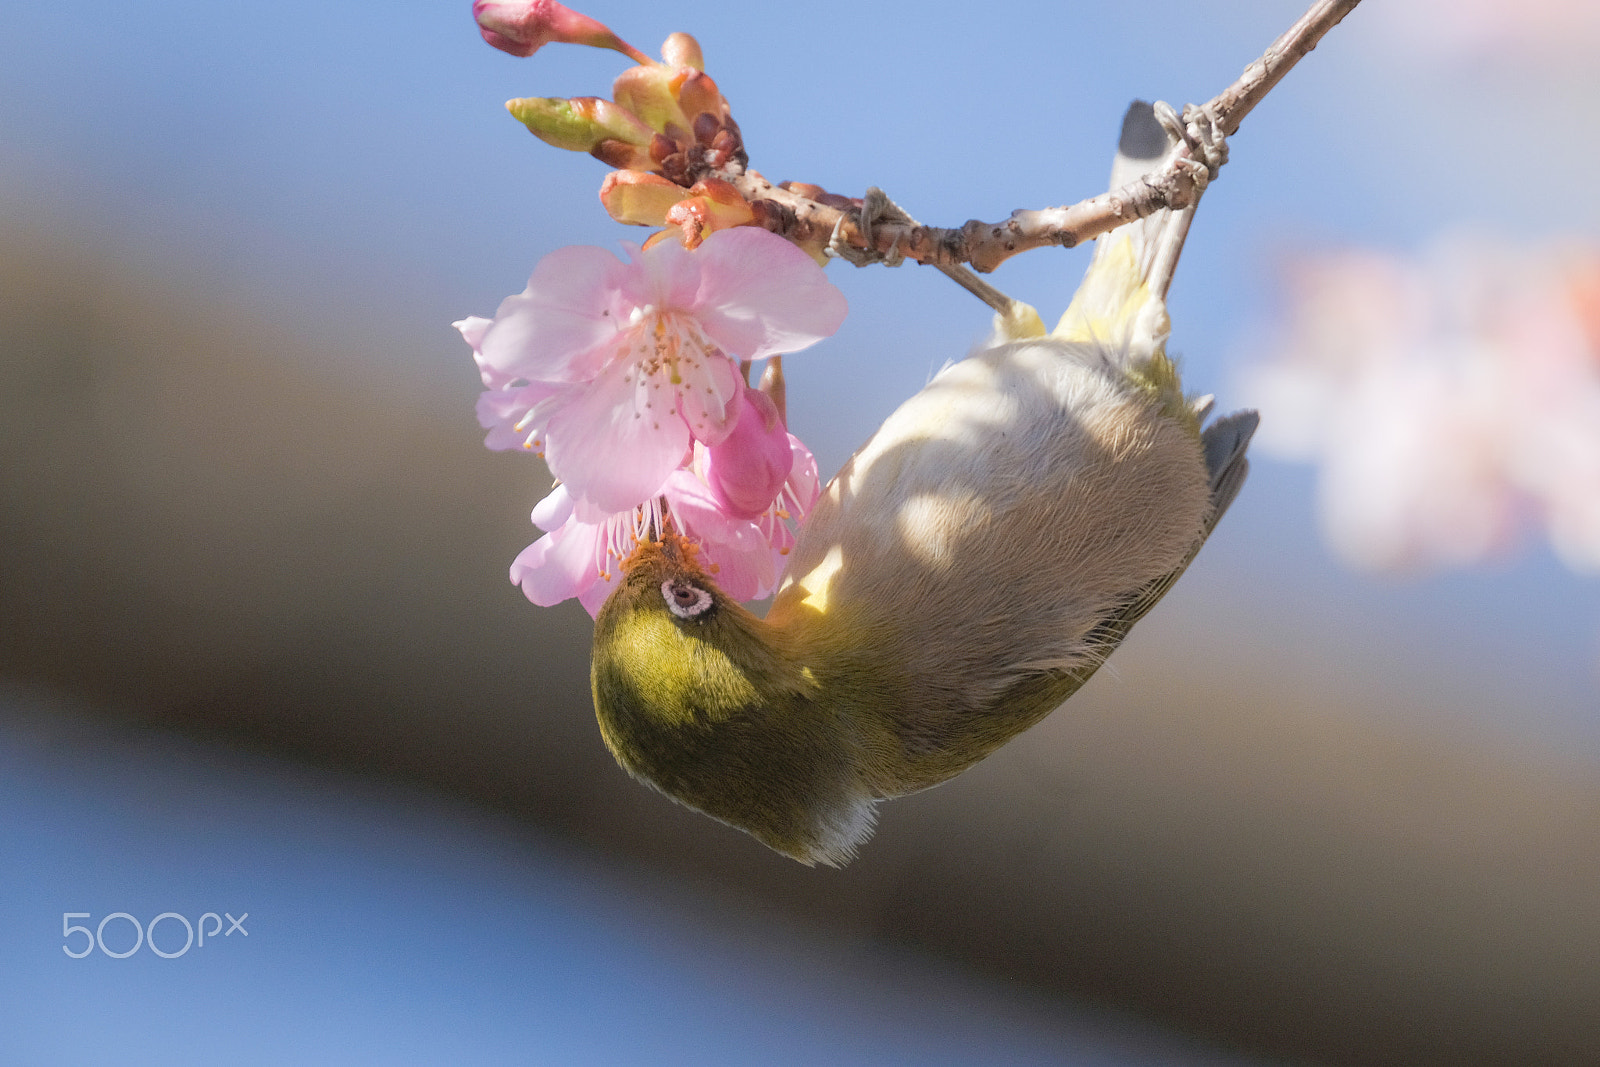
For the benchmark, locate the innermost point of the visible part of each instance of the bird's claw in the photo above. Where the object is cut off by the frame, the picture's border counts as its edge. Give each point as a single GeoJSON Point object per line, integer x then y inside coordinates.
{"type": "Point", "coordinates": [1200, 131]}
{"type": "Point", "coordinates": [875, 207]}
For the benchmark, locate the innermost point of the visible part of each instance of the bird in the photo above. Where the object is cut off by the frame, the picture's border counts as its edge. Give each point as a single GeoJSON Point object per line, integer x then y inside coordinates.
{"type": "Point", "coordinates": [965, 572]}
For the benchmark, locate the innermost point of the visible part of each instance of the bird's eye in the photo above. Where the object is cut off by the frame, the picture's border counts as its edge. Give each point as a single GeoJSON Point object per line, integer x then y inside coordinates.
{"type": "Point", "coordinates": [685, 599]}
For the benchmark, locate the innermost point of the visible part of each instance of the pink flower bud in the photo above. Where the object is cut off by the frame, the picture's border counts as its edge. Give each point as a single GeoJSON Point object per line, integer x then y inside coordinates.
{"type": "Point", "coordinates": [522, 27]}
{"type": "Point", "coordinates": [748, 468]}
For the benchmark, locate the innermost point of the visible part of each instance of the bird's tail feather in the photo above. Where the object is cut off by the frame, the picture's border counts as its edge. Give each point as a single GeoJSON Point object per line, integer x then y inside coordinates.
{"type": "Point", "coordinates": [1157, 239]}
{"type": "Point", "coordinates": [1226, 442]}
{"type": "Point", "coordinates": [1122, 299]}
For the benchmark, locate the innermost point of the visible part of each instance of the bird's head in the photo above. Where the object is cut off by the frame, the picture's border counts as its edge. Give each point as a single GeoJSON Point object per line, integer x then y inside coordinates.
{"type": "Point", "coordinates": [707, 703]}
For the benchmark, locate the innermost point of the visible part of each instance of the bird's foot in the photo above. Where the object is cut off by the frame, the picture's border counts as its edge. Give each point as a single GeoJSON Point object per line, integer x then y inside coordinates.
{"type": "Point", "coordinates": [1016, 320]}
{"type": "Point", "coordinates": [876, 207]}
{"type": "Point", "coordinates": [1199, 129]}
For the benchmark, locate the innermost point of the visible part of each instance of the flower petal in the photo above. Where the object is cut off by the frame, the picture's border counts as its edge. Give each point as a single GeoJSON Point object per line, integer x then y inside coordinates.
{"type": "Point", "coordinates": [599, 591]}
{"type": "Point", "coordinates": [760, 295]}
{"type": "Point", "coordinates": [473, 328]}
{"type": "Point", "coordinates": [708, 396]}
{"type": "Point", "coordinates": [747, 574]}
{"type": "Point", "coordinates": [553, 511]}
{"type": "Point", "coordinates": [804, 484]}
{"type": "Point", "coordinates": [505, 414]}
{"type": "Point", "coordinates": [734, 550]}
{"type": "Point", "coordinates": [615, 441]}
{"type": "Point", "coordinates": [560, 565]}
{"type": "Point", "coordinates": [551, 330]}
{"type": "Point", "coordinates": [665, 275]}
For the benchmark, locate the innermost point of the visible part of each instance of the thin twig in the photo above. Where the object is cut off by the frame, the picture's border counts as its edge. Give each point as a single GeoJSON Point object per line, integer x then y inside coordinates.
{"type": "Point", "coordinates": [998, 302]}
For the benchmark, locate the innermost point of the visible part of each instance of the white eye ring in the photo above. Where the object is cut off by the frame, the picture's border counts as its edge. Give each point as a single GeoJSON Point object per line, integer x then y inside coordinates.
{"type": "Point", "coordinates": [685, 599]}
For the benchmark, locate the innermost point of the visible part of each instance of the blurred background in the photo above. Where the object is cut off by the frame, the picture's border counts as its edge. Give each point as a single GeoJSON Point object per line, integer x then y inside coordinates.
{"type": "Point", "coordinates": [1330, 803]}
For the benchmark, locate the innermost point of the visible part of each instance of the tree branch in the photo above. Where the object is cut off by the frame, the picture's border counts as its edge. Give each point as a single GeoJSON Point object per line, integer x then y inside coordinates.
{"type": "Point", "coordinates": [985, 245]}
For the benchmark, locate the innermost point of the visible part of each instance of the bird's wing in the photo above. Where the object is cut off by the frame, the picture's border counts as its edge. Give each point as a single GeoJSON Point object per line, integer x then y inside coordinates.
{"type": "Point", "coordinates": [1226, 441]}
{"type": "Point", "coordinates": [1123, 298]}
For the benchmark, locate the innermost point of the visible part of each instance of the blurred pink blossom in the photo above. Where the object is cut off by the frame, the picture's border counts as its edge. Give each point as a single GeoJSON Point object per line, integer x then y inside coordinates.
{"type": "Point", "coordinates": [1451, 400]}
{"type": "Point", "coordinates": [611, 369]}
{"type": "Point", "coordinates": [1476, 31]}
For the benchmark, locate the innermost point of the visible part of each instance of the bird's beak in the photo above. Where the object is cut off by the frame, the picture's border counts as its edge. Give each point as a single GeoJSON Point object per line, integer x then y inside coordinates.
{"type": "Point", "coordinates": [675, 549]}
{"type": "Point", "coordinates": [671, 550]}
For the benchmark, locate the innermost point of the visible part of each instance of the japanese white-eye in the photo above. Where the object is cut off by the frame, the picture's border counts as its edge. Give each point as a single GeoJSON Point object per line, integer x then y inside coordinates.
{"type": "Point", "coordinates": [964, 573]}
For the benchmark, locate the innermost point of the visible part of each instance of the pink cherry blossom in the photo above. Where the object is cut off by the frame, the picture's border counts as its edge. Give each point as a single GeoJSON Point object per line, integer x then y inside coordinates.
{"type": "Point", "coordinates": [612, 369]}
{"type": "Point", "coordinates": [744, 554]}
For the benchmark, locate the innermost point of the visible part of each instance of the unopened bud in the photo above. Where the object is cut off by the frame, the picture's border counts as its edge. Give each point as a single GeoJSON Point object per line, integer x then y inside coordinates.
{"type": "Point", "coordinates": [620, 155]}
{"type": "Point", "coordinates": [712, 205]}
{"type": "Point", "coordinates": [661, 147]}
{"type": "Point", "coordinates": [636, 198]}
{"type": "Point", "coordinates": [681, 50]}
{"type": "Point", "coordinates": [699, 95]}
{"type": "Point", "coordinates": [675, 168]}
{"type": "Point", "coordinates": [579, 124]}
{"type": "Point", "coordinates": [805, 189]}
{"type": "Point", "coordinates": [652, 94]}
{"type": "Point", "coordinates": [522, 27]}
{"type": "Point", "coordinates": [726, 146]}
{"type": "Point", "coordinates": [706, 127]}
{"type": "Point", "coordinates": [748, 468]}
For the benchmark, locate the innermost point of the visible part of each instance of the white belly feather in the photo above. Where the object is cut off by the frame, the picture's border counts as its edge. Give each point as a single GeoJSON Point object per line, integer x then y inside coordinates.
{"type": "Point", "coordinates": [997, 516]}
